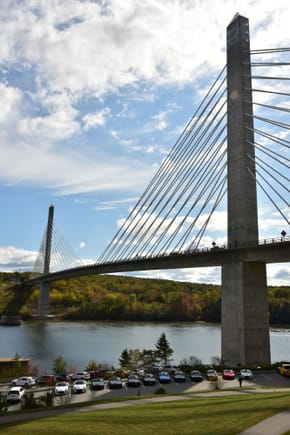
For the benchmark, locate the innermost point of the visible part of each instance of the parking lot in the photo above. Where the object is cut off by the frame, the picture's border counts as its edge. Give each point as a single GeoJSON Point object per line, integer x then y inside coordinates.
{"type": "Point", "coordinates": [260, 379]}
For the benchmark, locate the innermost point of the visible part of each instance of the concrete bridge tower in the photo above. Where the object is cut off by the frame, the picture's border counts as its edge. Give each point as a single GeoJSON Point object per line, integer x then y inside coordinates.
{"type": "Point", "coordinates": [245, 329]}
{"type": "Point", "coordinates": [45, 286]}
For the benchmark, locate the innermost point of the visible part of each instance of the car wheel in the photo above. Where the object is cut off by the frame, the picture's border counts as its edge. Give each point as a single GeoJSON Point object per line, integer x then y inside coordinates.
{"type": "Point", "coordinates": [26, 385]}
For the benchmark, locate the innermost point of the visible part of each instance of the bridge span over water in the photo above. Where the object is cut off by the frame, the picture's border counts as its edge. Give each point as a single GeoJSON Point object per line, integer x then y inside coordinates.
{"type": "Point", "coordinates": [274, 250]}
{"type": "Point", "coordinates": [228, 150]}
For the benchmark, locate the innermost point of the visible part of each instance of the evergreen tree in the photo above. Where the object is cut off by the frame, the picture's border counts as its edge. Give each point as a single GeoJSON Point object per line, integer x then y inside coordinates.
{"type": "Point", "coordinates": [124, 359]}
{"type": "Point", "coordinates": [164, 350]}
{"type": "Point", "coordinates": [59, 365]}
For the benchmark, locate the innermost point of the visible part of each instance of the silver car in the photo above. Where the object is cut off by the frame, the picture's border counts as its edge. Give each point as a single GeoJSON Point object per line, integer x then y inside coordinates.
{"type": "Point", "coordinates": [79, 386]}
{"type": "Point", "coordinates": [61, 388]}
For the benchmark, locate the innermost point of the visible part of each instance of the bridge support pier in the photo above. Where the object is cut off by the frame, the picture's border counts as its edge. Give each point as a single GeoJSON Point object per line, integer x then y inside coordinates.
{"type": "Point", "coordinates": [43, 305]}
{"type": "Point", "coordinates": [245, 324]}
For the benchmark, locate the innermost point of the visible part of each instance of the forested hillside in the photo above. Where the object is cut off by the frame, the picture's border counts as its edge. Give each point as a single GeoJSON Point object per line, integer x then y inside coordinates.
{"type": "Point", "coordinates": [113, 297]}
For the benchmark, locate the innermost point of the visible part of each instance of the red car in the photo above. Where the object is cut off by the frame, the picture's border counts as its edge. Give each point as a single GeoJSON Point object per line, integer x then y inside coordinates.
{"type": "Point", "coordinates": [229, 374]}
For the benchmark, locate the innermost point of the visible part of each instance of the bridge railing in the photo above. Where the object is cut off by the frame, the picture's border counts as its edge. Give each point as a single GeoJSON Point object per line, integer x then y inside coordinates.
{"type": "Point", "coordinates": [214, 247]}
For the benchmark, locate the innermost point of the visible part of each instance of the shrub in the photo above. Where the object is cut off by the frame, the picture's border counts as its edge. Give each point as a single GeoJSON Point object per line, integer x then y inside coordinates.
{"type": "Point", "coordinates": [216, 384]}
{"type": "Point", "coordinates": [3, 404]}
{"type": "Point", "coordinates": [160, 390]}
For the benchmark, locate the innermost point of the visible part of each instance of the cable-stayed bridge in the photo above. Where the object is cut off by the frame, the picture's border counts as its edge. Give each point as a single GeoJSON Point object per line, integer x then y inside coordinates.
{"type": "Point", "coordinates": [233, 153]}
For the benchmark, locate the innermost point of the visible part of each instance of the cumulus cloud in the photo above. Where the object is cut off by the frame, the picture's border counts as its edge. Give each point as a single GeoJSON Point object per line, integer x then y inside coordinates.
{"type": "Point", "coordinates": [93, 120]}
{"type": "Point", "coordinates": [63, 54]}
{"type": "Point", "coordinates": [12, 258]}
{"type": "Point", "coordinates": [9, 100]}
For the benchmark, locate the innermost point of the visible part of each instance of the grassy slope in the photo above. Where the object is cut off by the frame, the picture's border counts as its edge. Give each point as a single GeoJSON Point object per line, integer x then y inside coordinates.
{"type": "Point", "coordinates": [202, 416]}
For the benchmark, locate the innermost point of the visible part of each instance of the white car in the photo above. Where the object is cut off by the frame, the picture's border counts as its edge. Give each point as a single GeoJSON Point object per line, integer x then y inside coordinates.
{"type": "Point", "coordinates": [79, 386]}
{"type": "Point", "coordinates": [24, 381]}
{"type": "Point", "coordinates": [15, 394]}
{"type": "Point", "coordinates": [61, 388]}
{"type": "Point", "coordinates": [246, 374]}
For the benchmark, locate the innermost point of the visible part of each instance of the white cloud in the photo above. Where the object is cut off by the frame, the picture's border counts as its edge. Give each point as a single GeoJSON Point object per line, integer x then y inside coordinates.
{"type": "Point", "coordinates": [160, 121]}
{"type": "Point", "coordinates": [12, 258]}
{"type": "Point", "coordinates": [70, 52]}
{"type": "Point", "coordinates": [92, 120]}
{"type": "Point", "coordinates": [9, 100]}
{"type": "Point", "coordinates": [56, 126]}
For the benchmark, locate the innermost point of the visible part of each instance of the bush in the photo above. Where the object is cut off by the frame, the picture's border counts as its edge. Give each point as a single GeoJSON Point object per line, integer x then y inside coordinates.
{"type": "Point", "coordinates": [47, 399]}
{"type": "Point", "coordinates": [3, 404]}
{"type": "Point", "coordinates": [28, 401]}
{"type": "Point", "coordinates": [160, 390]}
{"type": "Point", "coordinates": [216, 384]}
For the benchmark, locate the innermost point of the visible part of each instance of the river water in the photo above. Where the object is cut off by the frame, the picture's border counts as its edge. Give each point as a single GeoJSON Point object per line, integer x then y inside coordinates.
{"type": "Point", "coordinates": [80, 342]}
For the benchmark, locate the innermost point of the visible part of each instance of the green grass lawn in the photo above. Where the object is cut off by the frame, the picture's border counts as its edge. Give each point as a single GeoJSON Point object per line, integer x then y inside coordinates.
{"type": "Point", "coordinates": [202, 416]}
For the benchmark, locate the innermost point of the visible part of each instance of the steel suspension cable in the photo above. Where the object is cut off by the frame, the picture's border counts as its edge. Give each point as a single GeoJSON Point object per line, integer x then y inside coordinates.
{"type": "Point", "coordinates": [202, 178]}
{"type": "Point", "coordinates": [257, 161]}
{"type": "Point", "coordinates": [197, 200]}
{"type": "Point", "coordinates": [280, 141]}
{"type": "Point", "coordinates": [270, 121]}
{"type": "Point", "coordinates": [267, 91]}
{"type": "Point", "coordinates": [159, 175]}
{"type": "Point", "coordinates": [203, 206]}
{"type": "Point", "coordinates": [199, 235]}
{"type": "Point", "coordinates": [270, 153]}
{"type": "Point", "coordinates": [268, 196]}
{"type": "Point", "coordinates": [179, 185]}
{"type": "Point", "coordinates": [152, 202]}
{"type": "Point", "coordinates": [164, 193]}
{"type": "Point", "coordinates": [282, 109]}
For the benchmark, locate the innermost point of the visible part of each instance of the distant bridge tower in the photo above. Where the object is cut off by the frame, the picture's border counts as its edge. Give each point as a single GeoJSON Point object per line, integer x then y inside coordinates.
{"type": "Point", "coordinates": [45, 286]}
{"type": "Point", "coordinates": [245, 328]}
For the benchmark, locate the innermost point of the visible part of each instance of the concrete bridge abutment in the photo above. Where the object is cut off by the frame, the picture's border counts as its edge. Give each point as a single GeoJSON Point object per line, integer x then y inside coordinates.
{"type": "Point", "coordinates": [245, 323]}
{"type": "Point", "coordinates": [43, 305]}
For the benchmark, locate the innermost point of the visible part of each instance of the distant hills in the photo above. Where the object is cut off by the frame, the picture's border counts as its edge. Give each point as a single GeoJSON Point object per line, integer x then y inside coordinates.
{"type": "Point", "coordinates": [111, 297]}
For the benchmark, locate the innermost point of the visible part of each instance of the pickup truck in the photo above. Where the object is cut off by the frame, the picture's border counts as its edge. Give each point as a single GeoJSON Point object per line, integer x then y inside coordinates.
{"type": "Point", "coordinates": [284, 370]}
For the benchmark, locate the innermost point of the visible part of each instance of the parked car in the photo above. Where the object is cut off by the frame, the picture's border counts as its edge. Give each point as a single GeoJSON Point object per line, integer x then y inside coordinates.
{"type": "Point", "coordinates": [59, 377]}
{"type": "Point", "coordinates": [45, 380]}
{"type": "Point", "coordinates": [196, 376]}
{"type": "Point", "coordinates": [115, 382]}
{"type": "Point", "coordinates": [246, 374]}
{"type": "Point", "coordinates": [212, 375]}
{"type": "Point", "coordinates": [80, 375]}
{"type": "Point", "coordinates": [61, 388]}
{"type": "Point", "coordinates": [164, 378]}
{"type": "Point", "coordinates": [149, 379]}
{"type": "Point", "coordinates": [179, 376]}
{"type": "Point", "coordinates": [229, 374]}
{"type": "Point", "coordinates": [97, 384]}
{"type": "Point", "coordinates": [133, 381]}
{"type": "Point", "coordinates": [100, 373]}
{"type": "Point", "coordinates": [79, 386]}
{"type": "Point", "coordinates": [15, 394]}
{"type": "Point", "coordinates": [284, 370]}
{"type": "Point", "coordinates": [24, 381]}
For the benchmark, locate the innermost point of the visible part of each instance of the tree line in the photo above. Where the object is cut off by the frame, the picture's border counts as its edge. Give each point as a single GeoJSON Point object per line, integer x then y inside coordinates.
{"type": "Point", "coordinates": [111, 297]}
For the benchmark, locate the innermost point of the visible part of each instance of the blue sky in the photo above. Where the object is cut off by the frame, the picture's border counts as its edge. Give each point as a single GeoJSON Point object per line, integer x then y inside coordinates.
{"type": "Point", "coordinates": [93, 96]}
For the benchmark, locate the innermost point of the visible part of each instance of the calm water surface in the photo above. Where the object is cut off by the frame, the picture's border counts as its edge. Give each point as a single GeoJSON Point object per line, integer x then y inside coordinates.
{"type": "Point", "coordinates": [80, 342]}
